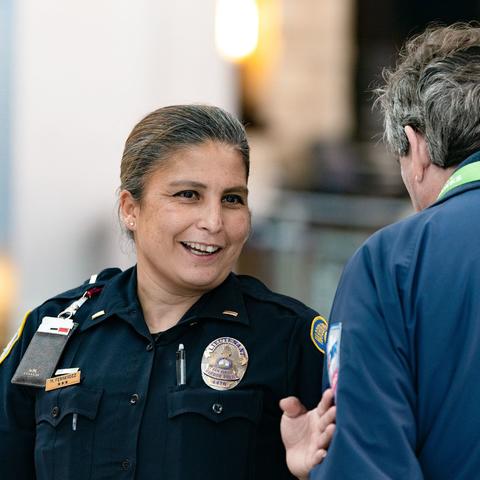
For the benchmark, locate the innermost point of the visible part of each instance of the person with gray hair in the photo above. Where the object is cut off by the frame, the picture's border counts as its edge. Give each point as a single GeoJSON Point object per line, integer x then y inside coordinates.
{"type": "Point", "coordinates": [174, 368]}
{"type": "Point", "coordinates": [403, 347]}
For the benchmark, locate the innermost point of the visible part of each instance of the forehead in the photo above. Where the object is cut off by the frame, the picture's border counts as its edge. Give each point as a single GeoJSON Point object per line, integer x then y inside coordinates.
{"type": "Point", "coordinates": [212, 160]}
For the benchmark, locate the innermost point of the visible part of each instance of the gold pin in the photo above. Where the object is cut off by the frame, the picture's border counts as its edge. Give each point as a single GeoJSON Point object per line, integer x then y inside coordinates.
{"type": "Point", "coordinates": [230, 312]}
{"type": "Point", "coordinates": [224, 363]}
{"type": "Point", "coordinates": [98, 314]}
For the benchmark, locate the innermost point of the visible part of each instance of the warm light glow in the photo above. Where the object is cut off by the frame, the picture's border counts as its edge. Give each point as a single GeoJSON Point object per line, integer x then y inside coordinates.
{"type": "Point", "coordinates": [236, 28]}
{"type": "Point", "coordinates": [7, 295]}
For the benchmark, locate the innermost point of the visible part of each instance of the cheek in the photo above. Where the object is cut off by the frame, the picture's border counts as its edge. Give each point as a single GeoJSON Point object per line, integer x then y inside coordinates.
{"type": "Point", "coordinates": [239, 228]}
{"type": "Point", "coordinates": [168, 219]}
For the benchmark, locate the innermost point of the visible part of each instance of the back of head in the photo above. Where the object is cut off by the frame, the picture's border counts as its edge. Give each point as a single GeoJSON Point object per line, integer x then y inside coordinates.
{"type": "Point", "coordinates": [435, 88]}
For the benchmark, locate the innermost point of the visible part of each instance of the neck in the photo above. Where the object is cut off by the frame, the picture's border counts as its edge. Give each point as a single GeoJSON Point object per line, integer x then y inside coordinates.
{"type": "Point", "coordinates": [434, 182]}
{"type": "Point", "coordinates": [162, 309]}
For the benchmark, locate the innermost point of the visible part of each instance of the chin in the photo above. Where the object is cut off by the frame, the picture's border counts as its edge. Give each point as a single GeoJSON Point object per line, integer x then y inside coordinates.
{"type": "Point", "coordinates": [203, 283]}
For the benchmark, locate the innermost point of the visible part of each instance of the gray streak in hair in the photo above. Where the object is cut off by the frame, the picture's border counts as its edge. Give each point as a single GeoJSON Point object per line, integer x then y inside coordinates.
{"type": "Point", "coordinates": [435, 88]}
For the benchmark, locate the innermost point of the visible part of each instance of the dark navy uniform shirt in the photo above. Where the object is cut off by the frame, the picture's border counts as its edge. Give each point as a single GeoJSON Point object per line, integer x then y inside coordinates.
{"type": "Point", "coordinates": [408, 390]}
{"type": "Point", "coordinates": [132, 420]}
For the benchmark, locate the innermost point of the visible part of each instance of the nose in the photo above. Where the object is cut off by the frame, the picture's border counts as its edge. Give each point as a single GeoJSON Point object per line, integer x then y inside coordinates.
{"type": "Point", "coordinates": [211, 217]}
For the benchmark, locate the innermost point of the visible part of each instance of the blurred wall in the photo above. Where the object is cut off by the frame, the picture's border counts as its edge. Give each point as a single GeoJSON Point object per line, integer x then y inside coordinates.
{"type": "Point", "coordinates": [84, 73]}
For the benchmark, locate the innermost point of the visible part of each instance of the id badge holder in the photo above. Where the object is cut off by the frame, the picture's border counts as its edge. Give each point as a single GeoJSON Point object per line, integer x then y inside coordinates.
{"type": "Point", "coordinates": [44, 351]}
{"type": "Point", "coordinates": [46, 347]}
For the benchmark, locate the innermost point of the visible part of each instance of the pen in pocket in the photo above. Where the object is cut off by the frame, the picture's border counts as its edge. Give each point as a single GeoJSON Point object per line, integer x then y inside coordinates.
{"type": "Point", "coordinates": [74, 421]}
{"type": "Point", "coordinates": [181, 366]}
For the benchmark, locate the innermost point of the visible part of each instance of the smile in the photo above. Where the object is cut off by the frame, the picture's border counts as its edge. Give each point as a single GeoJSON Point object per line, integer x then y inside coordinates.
{"type": "Point", "coordinates": [200, 248]}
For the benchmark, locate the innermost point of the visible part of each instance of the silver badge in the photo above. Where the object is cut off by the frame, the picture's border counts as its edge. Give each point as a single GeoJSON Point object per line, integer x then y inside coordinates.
{"type": "Point", "coordinates": [224, 363]}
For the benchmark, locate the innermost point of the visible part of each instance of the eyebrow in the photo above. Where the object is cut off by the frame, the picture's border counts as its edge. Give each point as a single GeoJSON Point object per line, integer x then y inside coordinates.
{"type": "Point", "coordinates": [195, 184]}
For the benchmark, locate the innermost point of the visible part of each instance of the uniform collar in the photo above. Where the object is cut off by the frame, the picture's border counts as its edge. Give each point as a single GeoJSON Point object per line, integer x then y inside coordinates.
{"type": "Point", "coordinates": [223, 303]}
{"type": "Point", "coordinates": [119, 298]}
{"type": "Point", "coordinates": [475, 157]}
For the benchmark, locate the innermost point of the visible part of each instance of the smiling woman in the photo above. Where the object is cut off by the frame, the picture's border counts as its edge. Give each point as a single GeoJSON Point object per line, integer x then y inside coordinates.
{"type": "Point", "coordinates": [175, 367]}
{"type": "Point", "coordinates": [194, 209]}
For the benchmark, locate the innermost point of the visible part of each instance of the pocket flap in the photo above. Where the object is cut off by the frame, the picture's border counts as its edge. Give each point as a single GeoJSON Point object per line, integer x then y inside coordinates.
{"type": "Point", "coordinates": [53, 406]}
{"type": "Point", "coordinates": [216, 405]}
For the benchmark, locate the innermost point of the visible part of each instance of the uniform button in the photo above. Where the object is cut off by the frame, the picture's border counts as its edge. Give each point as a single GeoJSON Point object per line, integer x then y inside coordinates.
{"type": "Point", "coordinates": [126, 464]}
{"type": "Point", "coordinates": [217, 408]}
{"type": "Point", "coordinates": [55, 412]}
{"type": "Point", "coordinates": [149, 347]}
{"type": "Point", "coordinates": [134, 398]}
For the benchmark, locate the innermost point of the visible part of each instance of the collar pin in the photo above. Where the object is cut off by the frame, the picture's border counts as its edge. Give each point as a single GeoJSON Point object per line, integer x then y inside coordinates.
{"type": "Point", "coordinates": [98, 314]}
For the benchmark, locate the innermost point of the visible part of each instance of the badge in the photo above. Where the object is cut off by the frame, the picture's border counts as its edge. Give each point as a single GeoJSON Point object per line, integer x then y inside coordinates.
{"type": "Point", "coordinates": [333, 354]}
{"type": "Point", "coordinates": [224, 363]}
{"type": "Point", "coordinates": [318, 332]}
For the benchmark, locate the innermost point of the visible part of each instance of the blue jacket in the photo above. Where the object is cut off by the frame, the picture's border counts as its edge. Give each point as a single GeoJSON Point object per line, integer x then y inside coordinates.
{"type": "Point", "coordinates": [132, 420]}
{"type": "Point", "coordinates": [408, 390]}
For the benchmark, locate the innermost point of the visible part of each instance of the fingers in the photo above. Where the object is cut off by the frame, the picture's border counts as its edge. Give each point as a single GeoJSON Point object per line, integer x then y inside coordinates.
{"type": "Point", "coordinates": [327, 436]}
{"type": "Point", "coordinates": [292, 407]}
{"type": "Point", "coordinates": [318, 457]}
{"type": "Point", "coordinates": [326, 402]}
{"type": "Point", "coordinates": [322, 440]}
{"type": "Point", "coordinates": [327, 418]}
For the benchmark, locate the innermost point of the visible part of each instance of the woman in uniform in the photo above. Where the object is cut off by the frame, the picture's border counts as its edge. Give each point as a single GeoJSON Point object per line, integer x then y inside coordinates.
{"type": "Point", "coordinates": [174, 368]}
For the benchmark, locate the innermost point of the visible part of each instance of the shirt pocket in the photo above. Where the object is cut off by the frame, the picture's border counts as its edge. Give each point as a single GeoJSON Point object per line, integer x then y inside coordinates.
{"type": "Point", "coordinates": [212, 433]}
{"type": "Point", "coordinates": [65, 426]}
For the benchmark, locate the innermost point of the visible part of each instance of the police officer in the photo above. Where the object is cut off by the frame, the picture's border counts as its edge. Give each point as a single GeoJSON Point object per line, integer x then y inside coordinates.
{"type": "Point", "coordinates": [174, 368]}
{"type": "Point", "coordinates": [403, 347]}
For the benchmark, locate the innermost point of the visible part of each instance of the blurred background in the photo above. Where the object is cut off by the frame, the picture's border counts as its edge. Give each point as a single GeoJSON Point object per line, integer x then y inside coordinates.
{"type": "Point", "coordinates": [76, 76]}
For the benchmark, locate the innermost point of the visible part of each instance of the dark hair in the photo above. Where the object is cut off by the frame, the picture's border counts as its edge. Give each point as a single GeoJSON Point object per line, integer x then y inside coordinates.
{"type": "Point", "coordinates": [169, 129]}
{"type": "Point", "coordinates": [435, 88]}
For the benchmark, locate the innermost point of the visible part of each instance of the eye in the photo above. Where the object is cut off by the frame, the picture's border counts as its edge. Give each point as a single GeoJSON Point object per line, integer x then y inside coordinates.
{"type": "Point", "coordinates": [188, 194]}
{"type": "Point", "coordinates": [233, 199]}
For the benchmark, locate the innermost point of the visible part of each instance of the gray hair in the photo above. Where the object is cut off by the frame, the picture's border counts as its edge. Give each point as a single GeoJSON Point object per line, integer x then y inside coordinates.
{"type": "Point", "coordinates": [168, 130]}
{"type": "Point", "coordinates": [435, 88]}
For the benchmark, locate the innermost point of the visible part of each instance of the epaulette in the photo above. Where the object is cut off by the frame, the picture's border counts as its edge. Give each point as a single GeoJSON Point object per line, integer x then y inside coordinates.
{"type": "Point", "coordinates": [98, 279]}
{"type": "Point", "coordinates": [257, 289]}
{"type": "Point", "coordinates": [318, 324]}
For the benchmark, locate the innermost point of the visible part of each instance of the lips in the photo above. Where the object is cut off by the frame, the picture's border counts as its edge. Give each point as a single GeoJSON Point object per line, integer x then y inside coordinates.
{"type": "Point", "coordinates": [201, 249]}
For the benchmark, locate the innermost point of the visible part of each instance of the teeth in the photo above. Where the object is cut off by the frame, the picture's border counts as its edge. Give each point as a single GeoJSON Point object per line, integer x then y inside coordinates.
{"type": "Point", "coordinates": [200, 247]}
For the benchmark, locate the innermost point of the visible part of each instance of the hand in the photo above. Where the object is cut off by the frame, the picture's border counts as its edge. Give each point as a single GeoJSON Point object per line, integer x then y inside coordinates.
{"type": "Point", "coordinates": [307, 434]}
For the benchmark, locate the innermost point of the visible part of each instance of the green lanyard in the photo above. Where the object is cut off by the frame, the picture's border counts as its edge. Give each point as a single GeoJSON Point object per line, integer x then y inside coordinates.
{"type": "Point", "coordinates": [468, 173]}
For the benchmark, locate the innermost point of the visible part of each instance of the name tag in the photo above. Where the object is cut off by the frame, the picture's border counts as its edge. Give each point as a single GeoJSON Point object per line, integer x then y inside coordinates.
{"type": "Point", "coordinates": [62, 381]}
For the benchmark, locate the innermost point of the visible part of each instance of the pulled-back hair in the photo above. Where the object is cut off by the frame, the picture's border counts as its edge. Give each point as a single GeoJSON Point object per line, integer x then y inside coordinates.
{"type": "Point", "coordinates": [168, 130]}
{"type": "Point", "coordinates": [435, 88]}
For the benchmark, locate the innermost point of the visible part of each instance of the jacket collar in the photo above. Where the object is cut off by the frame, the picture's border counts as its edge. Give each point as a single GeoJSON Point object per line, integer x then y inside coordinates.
{"type": "Point", "coordinates": [119, 298]}
{"type": "Point", "coordinates": [463, 188]}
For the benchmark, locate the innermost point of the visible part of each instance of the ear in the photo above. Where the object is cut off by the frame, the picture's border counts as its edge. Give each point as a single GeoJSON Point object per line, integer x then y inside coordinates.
{"type": "Point", "coordinates": [128, 207]}
{"type": "Point", "coordinates": [418, 152]}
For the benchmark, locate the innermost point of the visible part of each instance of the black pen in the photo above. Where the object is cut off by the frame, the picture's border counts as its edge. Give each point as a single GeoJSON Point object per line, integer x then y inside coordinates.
{"type": "Point", "coordinates": [181, 367]}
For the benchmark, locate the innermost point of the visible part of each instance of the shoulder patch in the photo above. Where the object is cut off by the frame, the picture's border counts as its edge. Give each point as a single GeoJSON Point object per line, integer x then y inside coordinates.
{"type": "Point", "coordinates": [14, 340]}
{"type": "Point", "coordinates": [318, 332]}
